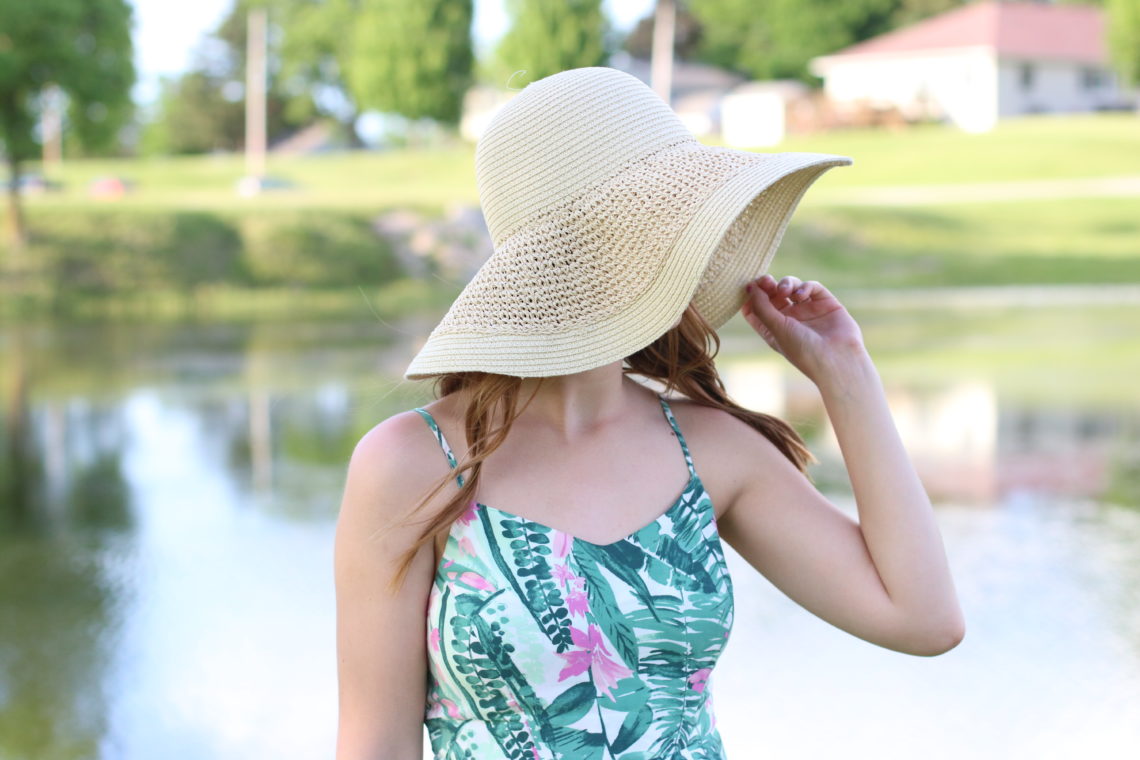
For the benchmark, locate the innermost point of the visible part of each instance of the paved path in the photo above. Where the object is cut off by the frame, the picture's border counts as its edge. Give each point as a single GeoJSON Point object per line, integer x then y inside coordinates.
{"type": "Point", "coordinates": [921, 195]}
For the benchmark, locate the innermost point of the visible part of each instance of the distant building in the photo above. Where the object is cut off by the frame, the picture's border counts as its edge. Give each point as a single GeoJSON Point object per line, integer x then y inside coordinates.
{"type": "Point", "coordinates": [981, 62]}
{"type": "Point", "coordinates": [698, 90]}
{"type": "Point", "coordinates": [710, 102]}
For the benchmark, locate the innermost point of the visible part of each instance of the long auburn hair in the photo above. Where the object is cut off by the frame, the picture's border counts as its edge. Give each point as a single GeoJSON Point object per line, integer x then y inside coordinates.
{"type": "Point", "coordinates": [682, 359]}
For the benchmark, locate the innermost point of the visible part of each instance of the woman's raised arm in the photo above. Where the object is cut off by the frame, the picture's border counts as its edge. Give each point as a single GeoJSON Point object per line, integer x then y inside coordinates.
{"type": "Point", "coordinates": [884, 578]}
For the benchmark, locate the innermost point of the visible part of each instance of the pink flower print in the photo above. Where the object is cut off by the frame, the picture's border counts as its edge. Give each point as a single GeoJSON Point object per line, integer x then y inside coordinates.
{"type": "Point", "coordinates": [451, 707]}
{"type": "Point", "coordinates": [594, 656]}
{"type": "Point", "coordinates": [699, 679]}
{"type": "Point", "coordinates": [433, 638]}
{"type": "Point", "coordinates": [471, 515]}
{"type": "Point", "coordinates": [561, 544]}
{"type": "Point", "coordinates": [466, 546]}
{"type": "Point", "coordinates": [564, 574]}
{"type": "Point", "coordinates": [578, 603]}
{"type": "Point", "coordinates": [474, 580]}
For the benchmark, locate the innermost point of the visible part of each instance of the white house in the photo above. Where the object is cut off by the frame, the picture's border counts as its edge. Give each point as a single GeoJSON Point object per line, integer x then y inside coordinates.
{"type": "Point", "coordinates": [980, 62]}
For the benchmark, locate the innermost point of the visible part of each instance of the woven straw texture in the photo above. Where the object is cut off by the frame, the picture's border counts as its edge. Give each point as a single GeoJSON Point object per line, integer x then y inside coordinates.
{"type": "Point", "coordinates": [608, 217]}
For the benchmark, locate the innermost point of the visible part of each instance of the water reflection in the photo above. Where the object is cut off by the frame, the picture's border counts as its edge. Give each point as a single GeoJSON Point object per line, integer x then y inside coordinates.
{"type": "Point", "coordinates": [65, 516]}
{"type": "Point", "coordinates": [168, 495]}
{"type": "Point", "coordinates": [967, 443]}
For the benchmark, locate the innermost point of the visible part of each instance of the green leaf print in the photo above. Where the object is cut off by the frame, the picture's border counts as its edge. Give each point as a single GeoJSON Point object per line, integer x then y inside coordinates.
{"type": "Point", "coordinates": [445, 732]}
{"type": "Point", "coordinates": [490, 637]}
{"type": "Point", "coordinates": [575, 744]}
{"type": "Point", "coordinates": [569, 706]}
{"type": "Point", "coordinates": [632, 728]}
{"type": "Point", "coordinates": [482, 667]}
{"type": "Point", "coordinates": [624, 560]}
{"type": "Point", "coordinates": [529, 545]}
{"type": "Point", "coordinates": [604, 607]}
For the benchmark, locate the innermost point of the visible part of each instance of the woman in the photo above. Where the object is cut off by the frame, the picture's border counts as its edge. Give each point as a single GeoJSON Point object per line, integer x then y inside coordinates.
{"type": "Point", "coordinates": [505, 574]}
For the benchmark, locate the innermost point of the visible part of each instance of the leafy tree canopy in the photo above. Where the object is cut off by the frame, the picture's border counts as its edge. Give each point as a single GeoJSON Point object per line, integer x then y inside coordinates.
{"type": "Point", "coordinates": [81, 47]}
{"type": "Point", "coordinates": [775, 39]}
{"type": "Point", "coordinates": [410, 58]}
{"type": "Point", "coordinates": [548, 36]}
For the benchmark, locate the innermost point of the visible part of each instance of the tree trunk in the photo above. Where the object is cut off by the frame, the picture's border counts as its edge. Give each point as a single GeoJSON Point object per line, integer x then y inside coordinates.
{"type": "Point", "coordinates": [349, 125]}
{"type": "Point", "coordinates": [17, 230]}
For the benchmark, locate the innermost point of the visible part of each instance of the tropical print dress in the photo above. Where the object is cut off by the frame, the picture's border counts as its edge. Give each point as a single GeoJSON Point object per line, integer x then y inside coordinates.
{"type": "Point", "coordinates": [545, 646]}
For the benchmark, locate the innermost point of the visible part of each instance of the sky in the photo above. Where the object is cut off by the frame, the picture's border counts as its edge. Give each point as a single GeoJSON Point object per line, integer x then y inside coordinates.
{"type": "Point", "coordinates": [166, 32]}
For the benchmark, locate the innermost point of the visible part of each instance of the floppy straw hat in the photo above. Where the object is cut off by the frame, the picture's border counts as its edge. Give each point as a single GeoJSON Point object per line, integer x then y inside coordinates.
{"type": "Point", "coordinates": [607, 218]}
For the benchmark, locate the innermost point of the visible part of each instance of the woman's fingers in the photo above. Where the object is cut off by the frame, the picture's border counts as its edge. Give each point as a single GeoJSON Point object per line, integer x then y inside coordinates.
{"type": "Point", "coordinates": [763, 311]}
{"type": "Point", "coordinates": [789, 290]}
{"type": "Point", "coordinates": [809, 290]}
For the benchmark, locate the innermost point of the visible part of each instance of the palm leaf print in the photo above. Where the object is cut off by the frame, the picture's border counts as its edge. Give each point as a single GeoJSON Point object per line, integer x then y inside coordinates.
{"type": "Point", "coordinates": [485, 678]}
{"type": "Point", "coordinates": [624, 560]}
{"type": "Point", "coordinates": [670, 564]}
{"type": "Point", "coordinates": [530, 545]}
{"type": "Point", "coordinates": [604, 607]}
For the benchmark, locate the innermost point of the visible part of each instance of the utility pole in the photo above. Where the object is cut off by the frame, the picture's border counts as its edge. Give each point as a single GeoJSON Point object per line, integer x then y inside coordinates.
{"type": "Point", "coordinates": [661, 65]}
{"type": "Point", "coordinates": [255, 96]}
{"type": "Point", "coordinates": [51, 126]}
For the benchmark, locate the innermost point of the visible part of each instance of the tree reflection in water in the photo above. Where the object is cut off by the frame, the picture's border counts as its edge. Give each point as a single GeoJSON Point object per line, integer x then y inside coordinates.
{"type": "Point", "coordinates": [64, 510]}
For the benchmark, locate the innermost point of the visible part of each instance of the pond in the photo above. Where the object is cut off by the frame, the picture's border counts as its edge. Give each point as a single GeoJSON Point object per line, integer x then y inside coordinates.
{"type": "Point", "coordinates": [168, 499]}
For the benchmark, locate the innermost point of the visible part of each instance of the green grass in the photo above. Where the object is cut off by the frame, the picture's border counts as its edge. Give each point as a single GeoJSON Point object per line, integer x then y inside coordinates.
{"type": "Point", "coordinates": [1080, 240]}
{"type": "Point", "coordinates": [424, 179]}
{"type": "Point", "coordinates": [184, 228]}
{"type": "Point", "coordinates": [1032, 147]}
{"type": "Point", "coordinates": [1025, 148]}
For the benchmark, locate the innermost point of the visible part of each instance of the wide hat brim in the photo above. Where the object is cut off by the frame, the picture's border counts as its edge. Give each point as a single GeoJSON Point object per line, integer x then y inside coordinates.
{"type": "Point", "coordinates": [730, 238]}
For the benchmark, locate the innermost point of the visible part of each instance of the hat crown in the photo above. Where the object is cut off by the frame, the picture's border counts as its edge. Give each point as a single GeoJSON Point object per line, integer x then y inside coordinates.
{"type": "Point", "coordinates": [562, 134]}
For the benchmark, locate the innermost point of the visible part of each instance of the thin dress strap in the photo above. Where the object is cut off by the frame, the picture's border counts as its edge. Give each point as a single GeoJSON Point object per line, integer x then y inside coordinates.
{"type": "Point", "coordinates": [441, 440]}
{"type": "Point", "coordinates": [680, 438]}
{"type": "Point", "coordinates": [459, 478]}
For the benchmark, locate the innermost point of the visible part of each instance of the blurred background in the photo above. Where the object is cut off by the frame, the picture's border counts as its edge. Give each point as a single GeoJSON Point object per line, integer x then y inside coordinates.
{"type": "Point", "coordinates": [229, 225]}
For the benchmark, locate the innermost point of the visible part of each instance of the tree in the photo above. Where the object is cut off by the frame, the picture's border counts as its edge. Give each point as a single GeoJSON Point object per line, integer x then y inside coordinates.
{"type": "Point", "coordinates": [79, 48]}
{"type": "Point", "coordinates": [314, 55]}
{"type": "Point", "coordinates": [776, 38]}
{"type": "Point", "coordinates": [1124, 39]}
{"type": "Point", "coordinates": [686, 35]}
{"type": "Point", "coordinates": [411, 58]}
{"type": "Point", "coordinates": [548, 36]}
{"type": "Point", "coordinates": [912, 11]}
{"type": "Point", "coordinates": [203, 110]}
{"type": "Point", "coordinates": [197, 112]}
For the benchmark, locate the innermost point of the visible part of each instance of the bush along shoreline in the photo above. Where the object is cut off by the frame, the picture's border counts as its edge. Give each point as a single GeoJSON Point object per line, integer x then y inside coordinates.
{"type": "Point", "coordinates": [129, 264]}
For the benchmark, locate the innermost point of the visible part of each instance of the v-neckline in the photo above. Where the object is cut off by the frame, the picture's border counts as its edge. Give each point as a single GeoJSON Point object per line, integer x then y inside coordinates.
{"type": "Point", "coordinates": [694, 480]}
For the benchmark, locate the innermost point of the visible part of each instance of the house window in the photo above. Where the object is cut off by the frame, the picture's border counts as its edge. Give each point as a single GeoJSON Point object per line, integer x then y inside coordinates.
{"type": "Point", "coordinates": [1092, 78]}
{"type": "Point", "coordinates": [1027, 76]}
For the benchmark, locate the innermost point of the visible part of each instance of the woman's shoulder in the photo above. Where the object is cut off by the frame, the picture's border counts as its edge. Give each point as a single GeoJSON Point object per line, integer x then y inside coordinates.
{"type": "Point", "coordinates": [398, 458]}
{"type": "Point", "coordinates": [720, 436]}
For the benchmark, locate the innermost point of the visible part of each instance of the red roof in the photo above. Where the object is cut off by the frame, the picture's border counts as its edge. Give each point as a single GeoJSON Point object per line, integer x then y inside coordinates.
{"type": "Point", "coordinates": [1012, 29]}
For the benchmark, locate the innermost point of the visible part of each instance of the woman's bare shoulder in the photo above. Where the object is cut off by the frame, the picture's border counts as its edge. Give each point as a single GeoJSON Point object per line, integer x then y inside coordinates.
{"type": "Point", "coordinates": [726, 450]}
{"type": "Point", "coordinates": [396, 461]}
{"type": "Point", "coordinates": [715, 428]}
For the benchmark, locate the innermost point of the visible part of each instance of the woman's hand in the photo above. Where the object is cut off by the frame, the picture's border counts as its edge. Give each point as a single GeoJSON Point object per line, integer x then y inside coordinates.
{"type": "Point", "coordinates": [802, 321]}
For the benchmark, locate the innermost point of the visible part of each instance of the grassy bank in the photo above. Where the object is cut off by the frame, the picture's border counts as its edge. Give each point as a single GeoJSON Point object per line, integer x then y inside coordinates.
{"type": "Point", "coordinates": [174, 264]}
{"type": "Point", "coordinates": [1071, 241]}
{"type": "Point", "coordinates": [182, 242]}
